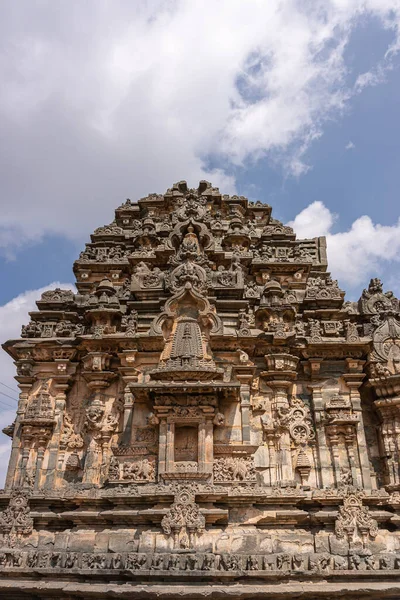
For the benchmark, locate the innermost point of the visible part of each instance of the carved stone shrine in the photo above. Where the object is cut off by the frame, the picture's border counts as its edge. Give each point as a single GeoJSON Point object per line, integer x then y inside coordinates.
{"type": "Point", "coordinates": [205, 417]}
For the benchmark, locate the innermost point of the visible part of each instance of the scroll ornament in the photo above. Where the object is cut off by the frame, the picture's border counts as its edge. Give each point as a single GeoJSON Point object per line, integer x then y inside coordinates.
{"type": "Point", "coordinates": [183, 520]}
{"type": "Point", "coordinates": [15, 520]}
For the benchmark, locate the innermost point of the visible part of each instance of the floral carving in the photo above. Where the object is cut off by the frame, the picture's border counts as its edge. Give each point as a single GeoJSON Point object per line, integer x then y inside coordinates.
{"type": "Point", "coordinates": [16, 521]}
{"type": "Point", "coordinates": [297, 419]}
{"type": "Point", "coordinates": [354, 521]}
{"type": "Point", "coordinates": [183, 519]}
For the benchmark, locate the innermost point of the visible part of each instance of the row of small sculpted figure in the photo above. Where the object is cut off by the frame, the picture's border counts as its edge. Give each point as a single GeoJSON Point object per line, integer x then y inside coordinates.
{"type": "Point", "coordinates": [317, 563]}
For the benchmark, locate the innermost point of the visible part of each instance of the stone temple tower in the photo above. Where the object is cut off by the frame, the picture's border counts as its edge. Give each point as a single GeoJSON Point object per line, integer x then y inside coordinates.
{"type": "Point", "coordinates": [205, 417]}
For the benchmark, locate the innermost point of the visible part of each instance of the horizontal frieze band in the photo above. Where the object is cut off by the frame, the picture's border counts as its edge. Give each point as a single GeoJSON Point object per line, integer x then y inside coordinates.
{"type": "Point", "coordinates": [211, 563]}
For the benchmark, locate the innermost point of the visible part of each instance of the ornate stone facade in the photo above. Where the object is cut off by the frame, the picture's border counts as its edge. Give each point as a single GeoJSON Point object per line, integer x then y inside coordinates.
{"type": "Point", "coordinates": [206, 416]}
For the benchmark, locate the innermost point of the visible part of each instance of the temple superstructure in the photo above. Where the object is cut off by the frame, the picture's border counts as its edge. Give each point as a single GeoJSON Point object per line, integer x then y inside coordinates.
{"type": "Point", "coordinates": [205, 416]}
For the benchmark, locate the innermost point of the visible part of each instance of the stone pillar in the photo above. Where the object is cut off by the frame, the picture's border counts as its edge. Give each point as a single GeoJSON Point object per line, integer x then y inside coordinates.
{"type": "Point", "coordinates": [354, 465]}
{"type": "Point", "coordinates": [354, 379]}
{"type": "Point", "coordinates": [245, 409]}
{"type": "Point", "coordinates": [389, 411]}
{"type": "Point", "coordinates": [91, 473]}
{"type": "Point", "coordinates": [162, 446]}
{"type": "Point", "coordinates": [324, 455]}
{"type": "Point", "coordinates": [201, 442]}
{"type": "Point", "coordinates": [273, 473]}
{"type": "Point", "coordinates": [281, 373]}
{"type": "Point", "coordinates": [21, 473]}
{"type": "Point", "coordinates": [106, 454]}
{"type": "Point", "coordinates": [54, 460]}
{"type": "Point", "coordinates": [13, 472]}
{"type": "Point", "coordinates": [209, 445]}
{"type": "Point", "coordinates": [129, 375]}
{"type": "Point", "coordinates": [43, 438]}
{"type": "Point", "coordinates": [97, 380]}
{"type": "Point", "coordinates": [129, 401]}
{"type": "Point", "coordinates": [170, 449]}
{"type": "Point", "coordinates": [245, 374]}
{"type": "Point", "coordinates": [334, 443]}
{"type": "Point", "coordinates": [280, 403]}
{"type": "Point", "coordinates": [206, 445]}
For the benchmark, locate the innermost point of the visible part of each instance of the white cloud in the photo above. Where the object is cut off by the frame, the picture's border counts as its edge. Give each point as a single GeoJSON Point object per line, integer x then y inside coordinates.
{"type": "Point", "coordinates": [350, 145]}
{"type": "Point", "coordinates": [356, 254]}
{"type": "Point", "coordinates": [100, 100]}
{"type": "Point", "coordinates": [13, 315]}
{"type": "Point", "coordinates": [313, 221]}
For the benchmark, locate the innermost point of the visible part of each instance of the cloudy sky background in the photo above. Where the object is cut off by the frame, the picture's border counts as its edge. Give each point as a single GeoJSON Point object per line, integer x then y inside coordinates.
{"type": "Point", "coordinates": [292, 102]}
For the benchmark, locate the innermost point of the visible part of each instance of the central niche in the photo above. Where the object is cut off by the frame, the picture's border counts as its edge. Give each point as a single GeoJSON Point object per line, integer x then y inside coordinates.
{"type": "Point", "coordinates": [186, 443]}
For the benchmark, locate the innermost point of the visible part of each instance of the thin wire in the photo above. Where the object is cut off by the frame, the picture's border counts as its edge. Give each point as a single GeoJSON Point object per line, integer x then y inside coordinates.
{"type": "Point", "coordinates": [7, 396]}
{"type": "Point", "coordinates": [10, 388]}
{"type": "Point", "coordinates": [8, 405]}
{"type": "Point", "coordinates": [7, 386]}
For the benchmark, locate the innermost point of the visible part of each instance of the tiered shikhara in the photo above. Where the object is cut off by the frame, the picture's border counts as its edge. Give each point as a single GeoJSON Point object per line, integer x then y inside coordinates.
{"type": "Point", "coordinates": [207, 412]}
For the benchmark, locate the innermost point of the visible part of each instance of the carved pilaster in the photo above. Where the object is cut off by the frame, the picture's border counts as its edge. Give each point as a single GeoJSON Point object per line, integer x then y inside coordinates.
{"type": "Point", "coordinates": [245, 373]}
{"type": "Point", "coordinates": [350, 440]}
{"type": "Point", "coordinates": [333, 436]}
{"type": "Point", "coordinates": [162, 446]}
{"type": "Point", "coordinates": [129, 376]}
{"type": "Point", "coordinates": [129, 401]}
{"type": "Point", "coordinates": [54, 463]}
{"type": "Point", "coordinates": [14, 476]}
{"type": "Point", "coordinates": [36, 425]}
{"type": "Point", "coordinates": [282, 372]}
{"type": "Point", "coordinates": [389, 411]}
{"type": "Point", "coordinates": [209, 445]}
{"type": "Point", "coordinates": [98, 432]}
{"type": "Point", "coordinates": [245, 408]}
{"type": "Point", "coordinates": [324, 462]}
{"type": "Point", "coordinates": [354, 378]}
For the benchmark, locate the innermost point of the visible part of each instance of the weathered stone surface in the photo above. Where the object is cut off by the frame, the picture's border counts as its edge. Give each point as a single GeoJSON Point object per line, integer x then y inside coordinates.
{"type": "Point", "coordinates": [205, 410]}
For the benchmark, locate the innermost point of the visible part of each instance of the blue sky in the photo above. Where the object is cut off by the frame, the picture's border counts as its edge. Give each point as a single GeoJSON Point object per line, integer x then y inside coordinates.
{"type": "Point", "coordinates": [293, 103]}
